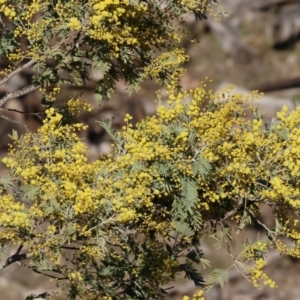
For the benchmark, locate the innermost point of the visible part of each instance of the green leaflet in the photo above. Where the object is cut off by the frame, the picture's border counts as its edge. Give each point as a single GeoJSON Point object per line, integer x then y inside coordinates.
{"type": "Point", "coordinates": [193, 274]}
{"type": "Point", "coordinates": [107, 125]}
{"type": "Point", "coordinates": [163, 169]}
{"type": "Point", "coordinates": [14, 135]}
{"type": "Point", "coordinates": [29, 193]}
{"type": "Point", "coordinates": [67, 232]}
{"type": "Point", "coordinates": [192, 137]}
{"type": "Point", "coordinates": [40, 263]}
{"type": "Point", "coordinates": [119, 174]}
{"type": "Point", "coordinates": [201, 167]}
{"type": "Point", "coordinates": [77, 76]}
{"type": "Point", "coordinates": [222, 11]}
{"type": "Point", "coordinates": [126, 55]}
{"type": "Point", "coordinates": [100, 66]}
{"type": "Point", "coordinates": [217, 276]}
{"type": "Point", "coordinates": [134, 81]}
{"type": "Point", "coordinates": [195, 255]}
{"type": "Point", "coordinates": [7, 181]}
{"type": "Point", "coordinates": [282, 133]}
{"type": "Point", "coordinates": [102, 92]}
{"type": "Point", "coordinates": [137, 166]}
{"type": "Point", "coordinates": [179, 214]}
{"type": "Point", "coordinates": [167, 186]}
{"type": "Point", "coordinates": [39, 65]}
{"type": "Point", "coordinates": [245, 220]}
{"type": "Point", "coordinates": [184, 207]}
{"type": "Point", "coordinates": [185, 221]}
{"type": "Point", "coordinates": [274, 123]}
{"type": "Point", "coordinates": [8, 42]}
{"type": "Point", "coordinates": [189, 193]}
{"type": "Point", "coordinates": [106, 271]}
{"type": "Point", "coordinates": [183, 228]}
{"type": "Point", "coordinates": [51, 206]}
{"type": "Point", "coordinates": [175, 128]}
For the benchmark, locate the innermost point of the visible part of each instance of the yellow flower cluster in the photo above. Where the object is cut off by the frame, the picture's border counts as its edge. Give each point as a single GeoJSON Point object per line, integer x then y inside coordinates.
{"type": "Point", "coordinates": [74, 23]}
{"type": "Point", "coordinates": [33, 7]}
{"type": "Point", "coordinates": [76, 107]}
{"type": "Point", "coordinates": [7, 9]}
{"type": "Point", "coordinates": [114, 12]}
{"type": "Point", "coordinates": [250, 251]}
{"type": "Point", "coordinates": [13, 214]}
{"type": "Point", "coordinates": [187, 149]}
{"type": "Point", "coordinates": [132, 33]}
{"type": "Point", "coordinates": [255, 252]}
{"type": "Point", "coordinates": [17, 56]}
{"type": "Point", "coordinates": [197, 296]}
{"type": "Point", "coordinates": [257, 274]}
{"type": "Point", "coordinates": [167, 62]}
{"type": "Point", "coordinates": [91, 251]}
{"type": "Point", "coordinates": [75, 277]}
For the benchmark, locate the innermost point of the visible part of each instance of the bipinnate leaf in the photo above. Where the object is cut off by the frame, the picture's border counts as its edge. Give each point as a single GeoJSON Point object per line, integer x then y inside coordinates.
{"type": "Point", "coordinates": [195, 255]}
{"type": "Point", "coordinates": [6, 181]}
{"type": "Point", "coordinates": [217, 276]}
{"type": "Point", "coordinates": [29, 192]}
{"type": "Point", "coordinates": [201, 166]}
{"type": "Point", "coordinates": [192, 274]}
{"type": "Point", "coordinates": [107, 125]}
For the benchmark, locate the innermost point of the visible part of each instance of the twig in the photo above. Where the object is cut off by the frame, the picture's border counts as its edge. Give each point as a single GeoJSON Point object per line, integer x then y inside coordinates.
{"type": "Point", "coordinates": [15, 258]}
{"type": "Point", "coordinates": [268, 230]}
{"type": "Point", "coordinates": [234, 211]}
{"type": "Point", "coordinates": [69, 248]}
{"type": "Point", "coordinates": [18, 93]}
{"type": "Point", "coordinates": [19, 249]}
{"type": "Point", "coordinates": [18, 70]}
{"type": "Point", "coordinates": [14, 121]}
{"type": "Point", "coordinates": [41, 273]}
{"type": "Point", "coordinates": [24, 112]}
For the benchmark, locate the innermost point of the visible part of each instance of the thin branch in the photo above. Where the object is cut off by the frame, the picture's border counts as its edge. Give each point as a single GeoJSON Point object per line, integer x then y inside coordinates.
{"type": "Point", "coordinates": [18, 93]}
{"type": "Point", "coordinates": [19, 250]}
{"type": "Point", "coordinates": [14, 121]}
{"type": "Point", "coordinates": [24, 112]}
{"type": "Point", "coordinates": [268, 230]}
{"type": "Point", "coordinates": [15, 258]}
{"type": "Point", "coordinates": [18, 70]}
{"type": "Point", "coordinates": [41, 273]}
{"type": "Point", "coordinates": [69, 248]}
{"type": "Point", "coordinates": [234, 211]}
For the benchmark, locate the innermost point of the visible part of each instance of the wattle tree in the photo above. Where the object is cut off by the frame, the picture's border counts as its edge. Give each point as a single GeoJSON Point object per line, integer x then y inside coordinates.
{"type": "Point", "coordinates": [126, 225]}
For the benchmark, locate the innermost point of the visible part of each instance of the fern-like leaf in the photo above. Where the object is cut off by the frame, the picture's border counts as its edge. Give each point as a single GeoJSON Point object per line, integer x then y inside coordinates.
{"type": "Point", "coordinates": [201, 166]}
{"type": "Point", "coordinates": [217, 276]}
{"type": "Point", "coordinates": [30, 192]}
{"type": "Point", "coordinates": [195, 255]}
{"type": "Point", "coordinates": [107, 125]}
{"type": "Point", "coordinates": [192, 274]}
{"type": "Point", "coordinates": [183, 228]}
{"type": "Point", "coordinates": [6, 181]}
{"type": "Point", "coordinates": [189, 193]}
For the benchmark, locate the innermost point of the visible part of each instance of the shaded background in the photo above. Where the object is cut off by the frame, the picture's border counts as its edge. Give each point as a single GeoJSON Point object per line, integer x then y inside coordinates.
{"type": "Point", "coordinates": [257, 47]}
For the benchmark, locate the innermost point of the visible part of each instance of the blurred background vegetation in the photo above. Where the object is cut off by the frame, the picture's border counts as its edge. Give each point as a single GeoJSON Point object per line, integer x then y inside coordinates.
{"type": "Point", "coordinates": [256, 47]}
